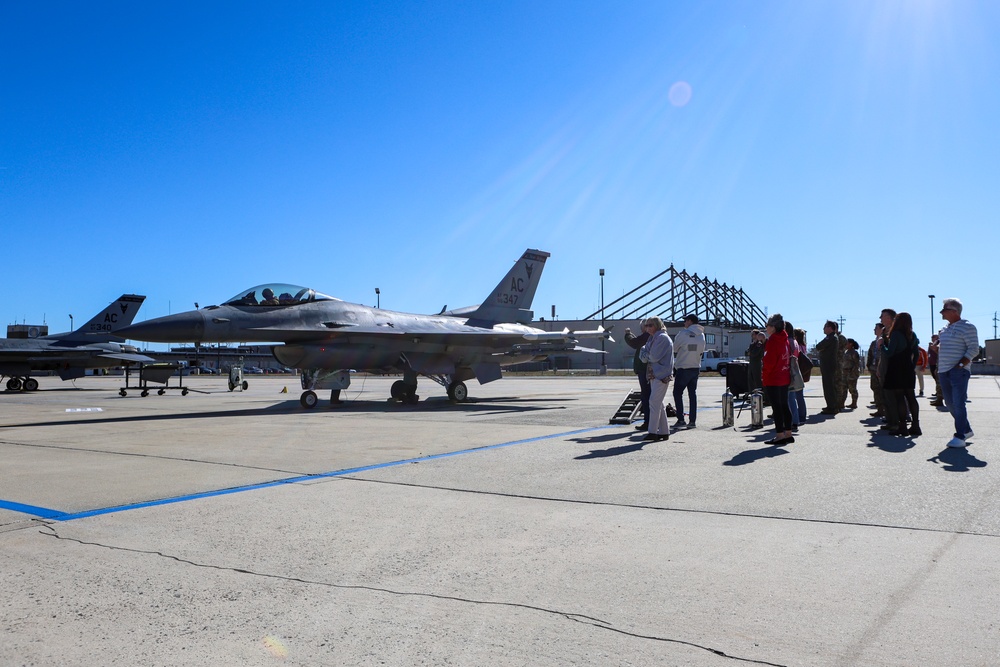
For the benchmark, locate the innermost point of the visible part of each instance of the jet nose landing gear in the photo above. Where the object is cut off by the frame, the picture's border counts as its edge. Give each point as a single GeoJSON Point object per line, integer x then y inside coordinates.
{"type": "Point", "coordinates": [312, 379]}
{"type": "Point", "coordinates": [309, 399]}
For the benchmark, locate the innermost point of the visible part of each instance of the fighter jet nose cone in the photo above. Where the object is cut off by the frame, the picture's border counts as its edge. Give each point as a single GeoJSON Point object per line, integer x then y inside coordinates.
{"type": "Point", "coordinates": [180, 328]}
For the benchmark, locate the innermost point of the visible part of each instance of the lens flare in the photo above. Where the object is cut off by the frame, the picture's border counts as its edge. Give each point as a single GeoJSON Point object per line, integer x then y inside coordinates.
{"type": "Point", "coordinates": [275, 647]}
{"type": "Point", "coordinates": [680, 93]}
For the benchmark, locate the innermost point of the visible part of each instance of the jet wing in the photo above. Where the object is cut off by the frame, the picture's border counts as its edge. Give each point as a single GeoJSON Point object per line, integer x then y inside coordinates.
{"type": "Point", "coordinates": [355, 333]}
{"type": "Point", "coordinates": [127, 356]}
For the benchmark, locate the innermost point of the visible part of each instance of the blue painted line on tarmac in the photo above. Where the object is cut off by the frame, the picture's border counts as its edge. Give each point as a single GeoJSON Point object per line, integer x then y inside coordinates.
{"type": "Point", "coordinates": [41, 512]}
{"type": "Point", "coordinates": [62, 516]}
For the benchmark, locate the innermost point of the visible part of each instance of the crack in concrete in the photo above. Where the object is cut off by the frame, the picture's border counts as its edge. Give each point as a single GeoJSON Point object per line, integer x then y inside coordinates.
{"type": "Point", "coordinates": [570, 616]}
{"type": "Point", "coordinates": [658, 508]}
{"type": "Point", "coordinates": [150, 456]}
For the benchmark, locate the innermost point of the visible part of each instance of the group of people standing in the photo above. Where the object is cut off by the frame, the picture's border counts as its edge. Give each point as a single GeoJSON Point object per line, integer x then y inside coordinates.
{"type": "Point", "coordinates": [779, 367]}
{"type": "Point", "coordinates": [896, 362]}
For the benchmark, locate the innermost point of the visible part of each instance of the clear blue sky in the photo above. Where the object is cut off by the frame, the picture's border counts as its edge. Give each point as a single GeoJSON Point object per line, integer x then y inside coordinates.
{"type": "Point", "coordinates": [830, 158]}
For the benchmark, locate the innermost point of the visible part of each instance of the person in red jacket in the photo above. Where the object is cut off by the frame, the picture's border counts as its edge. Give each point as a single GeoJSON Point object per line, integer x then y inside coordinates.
{"type": "Point", "coordinates": [776, 377]}
{"type": "Point", "coordinates": [921, 367]}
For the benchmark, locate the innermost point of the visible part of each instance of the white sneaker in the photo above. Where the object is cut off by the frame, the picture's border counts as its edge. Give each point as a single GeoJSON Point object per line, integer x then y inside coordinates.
{"type": "Point", "coordinates": [956, 442]}
{"type": "Point", "coordinates": [969, 435]}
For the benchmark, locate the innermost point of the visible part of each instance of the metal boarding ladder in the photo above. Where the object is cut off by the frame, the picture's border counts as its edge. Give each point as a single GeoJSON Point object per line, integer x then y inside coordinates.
{"type": "Point", "coordinates": [628, 410]}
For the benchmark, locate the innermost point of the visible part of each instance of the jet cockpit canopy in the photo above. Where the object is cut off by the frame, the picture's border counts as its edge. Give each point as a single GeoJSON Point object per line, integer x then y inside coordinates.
{"type": "Point", "coordinates": [277, 294]}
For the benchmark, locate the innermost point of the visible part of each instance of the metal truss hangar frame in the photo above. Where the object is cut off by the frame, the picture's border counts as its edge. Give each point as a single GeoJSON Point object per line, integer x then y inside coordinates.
{"type": "Point", "coordinates": [676, 294]}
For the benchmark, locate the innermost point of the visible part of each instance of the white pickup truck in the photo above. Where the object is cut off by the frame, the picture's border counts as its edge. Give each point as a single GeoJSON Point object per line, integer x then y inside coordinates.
{"type": "Point", "coordinates": [712, 360]}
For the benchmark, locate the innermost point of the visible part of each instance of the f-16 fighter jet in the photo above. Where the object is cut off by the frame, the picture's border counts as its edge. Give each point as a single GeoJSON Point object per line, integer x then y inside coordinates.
{"type": "Point", "coordinates": [327, 337]}
{"type": "Point", "coordinates": [70, 354]}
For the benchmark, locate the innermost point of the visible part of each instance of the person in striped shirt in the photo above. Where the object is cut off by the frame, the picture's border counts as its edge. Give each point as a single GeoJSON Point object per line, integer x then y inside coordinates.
{"type": "Point", "coordinates": [959, 345]}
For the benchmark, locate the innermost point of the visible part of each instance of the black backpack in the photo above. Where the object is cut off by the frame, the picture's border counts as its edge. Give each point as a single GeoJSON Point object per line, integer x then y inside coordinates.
{"type": "Point", "coordinates": [806, 366]}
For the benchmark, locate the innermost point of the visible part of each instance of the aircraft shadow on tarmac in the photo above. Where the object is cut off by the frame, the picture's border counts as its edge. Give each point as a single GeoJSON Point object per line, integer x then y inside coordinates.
{"type": "Point", "coordinates": [473, 408]}
{"type": "Point", "coordinates": [53, 390]}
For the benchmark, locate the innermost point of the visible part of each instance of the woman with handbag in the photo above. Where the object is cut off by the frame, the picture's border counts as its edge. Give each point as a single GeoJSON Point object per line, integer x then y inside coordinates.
{"type": "Point", "coordinates": [797, 386]}
{"type": "Point", "coordinates": [805, 366]}
{"type": "Point", "coordinates": [901, 354]}
{"type": "Point", "coordinates": [658, 353]}
{"type": "Point", "coordinates": [776, 377]}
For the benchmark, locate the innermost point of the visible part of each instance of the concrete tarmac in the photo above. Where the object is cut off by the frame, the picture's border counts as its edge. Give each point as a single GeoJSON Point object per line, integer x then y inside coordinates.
{"type": "Point", "coordinates": [520, 528]}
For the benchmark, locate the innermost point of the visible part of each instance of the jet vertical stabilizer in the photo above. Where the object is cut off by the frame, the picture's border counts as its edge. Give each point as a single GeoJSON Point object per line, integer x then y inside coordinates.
{"type": "Point", "coordinates": [511, 299]}
{"type": "Point", "coordinates": [103, 325]}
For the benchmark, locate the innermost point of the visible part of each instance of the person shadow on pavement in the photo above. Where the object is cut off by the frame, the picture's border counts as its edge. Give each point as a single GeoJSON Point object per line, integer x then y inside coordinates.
{"type": "Point", "coordinates": [753, 455]}
{"type": "Point", "coordinates": [957, 459]}
{"type": "Point", "coordinates": [612, 451]}
{"type": "Point", "coordinates": [893, 444]}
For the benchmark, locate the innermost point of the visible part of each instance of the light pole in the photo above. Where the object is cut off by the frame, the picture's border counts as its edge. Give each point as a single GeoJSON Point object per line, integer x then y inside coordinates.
{"type": "Point", "coordinates": [604, 358]}
{"type": "Point", "coordinates": [71, 322]}
{"type": "Point", "coordinates": [378, 298]}
{"type": "Point", "coordinates": [931, 297]}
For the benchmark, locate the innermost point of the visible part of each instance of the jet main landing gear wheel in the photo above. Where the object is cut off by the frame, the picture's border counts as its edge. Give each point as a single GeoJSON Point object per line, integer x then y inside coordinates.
{"type": "Point", "coordinates": [309, 399]}
{"type": "Point", "coordinates": [458, 392]}
{"type": "Point", "coordinates": [404, 393]}
{"type": "Point", "coordinates": [31, 384]}
{"type": "Point", "coordinates": [14, 384]}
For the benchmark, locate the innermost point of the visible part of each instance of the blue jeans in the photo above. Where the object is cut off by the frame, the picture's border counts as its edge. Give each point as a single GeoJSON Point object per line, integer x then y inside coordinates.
{"type": "Point", "coordinates": [797, 406]}
{"type": "Point", "coordinates": [955, 391]}
{"type": "Point", "coordinates": [644, 389]}
{"type": "Point", "coordinates": [686, 378]}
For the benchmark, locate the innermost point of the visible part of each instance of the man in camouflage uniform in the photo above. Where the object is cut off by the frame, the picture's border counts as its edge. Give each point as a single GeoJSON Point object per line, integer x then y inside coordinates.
{"type": "Point", "coordinates": [852, 371]}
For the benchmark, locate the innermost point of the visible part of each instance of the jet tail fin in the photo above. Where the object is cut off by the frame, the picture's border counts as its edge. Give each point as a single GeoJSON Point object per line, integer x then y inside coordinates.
{"type": "Point", "coordinates": [117, 315]}
{"type": "Point", "coordinates": [510, 300]}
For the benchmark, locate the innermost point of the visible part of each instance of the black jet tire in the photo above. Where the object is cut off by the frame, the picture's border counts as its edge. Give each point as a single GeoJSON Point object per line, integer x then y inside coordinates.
{"type": "Point", "coordinates": [31, 384]}
{"type": "Point", "coordinates": [14, 384]}
{"type": "Point", "coordinates": [398, 390]}
{"type": "Point", "coordinates": [309, 399]}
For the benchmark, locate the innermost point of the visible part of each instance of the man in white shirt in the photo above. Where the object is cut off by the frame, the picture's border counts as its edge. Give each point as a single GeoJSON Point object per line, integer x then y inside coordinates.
{"type": "Point", "coordinates": [689, 343]}
{"type": "Point", "coordinates": [958, 346]}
